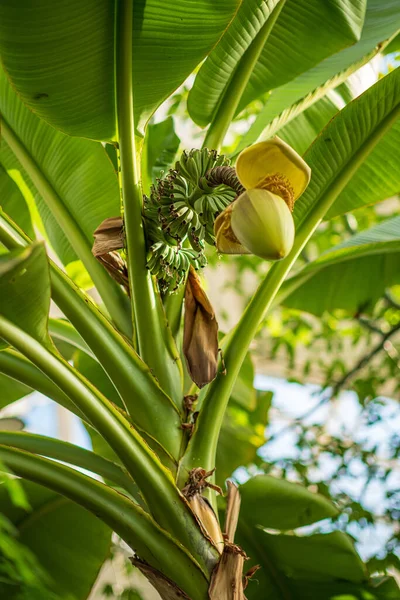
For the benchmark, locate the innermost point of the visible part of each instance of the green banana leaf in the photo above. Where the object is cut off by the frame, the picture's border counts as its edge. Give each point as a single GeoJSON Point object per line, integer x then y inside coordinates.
{"type": "Point", "coordinates": [25, 290]}
{"type": "Point", "coordinates": [159, 150]}
{"type": "Point", "coordinates": [79, 171]}
{"type": "Point", "coordinates": [318, 27]}
{"type": "Point", "coordinates": [304, 128]}
{"type": "Point", "coordinates": [20, 375]}
{"type": "Point", "coordinates": [18, 196]}
{"type": "Point", "coordinates": [382, 21]}
{"type": "Point", "coordinates": [351, 142]}
{"type": "Point", "coordinates": [377, 178]}
{"type": "Point", "coordinates": [94, 372]}
{"type": "Point", "coordinates": [13, 203]}
{"type": "Point", "coordinates": [11, 390]}
{"type": "Point", "coordinates": [60, 56]}
{"type": "Point", "coordinates": [352, 275]}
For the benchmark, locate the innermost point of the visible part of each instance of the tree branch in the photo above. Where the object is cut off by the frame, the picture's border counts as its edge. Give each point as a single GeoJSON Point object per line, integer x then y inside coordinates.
{"type": "Point", "coordinates": [364, 361]}
{"type": "Point", "coordinates": [339, 385]}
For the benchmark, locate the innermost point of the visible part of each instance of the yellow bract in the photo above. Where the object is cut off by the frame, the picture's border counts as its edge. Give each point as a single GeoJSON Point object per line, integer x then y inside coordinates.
{"type": "Point", "coordinates": [260, 221]}
{"type": "Point", "coordinates": [272, 158]}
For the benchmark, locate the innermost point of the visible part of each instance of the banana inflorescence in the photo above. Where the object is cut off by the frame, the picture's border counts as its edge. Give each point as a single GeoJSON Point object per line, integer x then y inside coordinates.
{"type": "Point", "coordinates": [180, 214]}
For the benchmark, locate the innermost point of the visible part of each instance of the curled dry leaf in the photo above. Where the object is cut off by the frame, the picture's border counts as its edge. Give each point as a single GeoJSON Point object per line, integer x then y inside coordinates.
{"type": "Point", "coordinates": [200, 506]}
{"type": "Point", "coordinates": [232, 511]}
{"type": "Point", "coordinates": [167, 589]}
{"type": "Point", "coordinates": [227, 577]}
{"type": "Point", "coordinates": [250, 573]}
{"type": "Point", "coordinates": [108, 238]}
{"type": "Point", "coordinates": [200, 335]}
{"type": "Point", "coordinates": [207, 520]}
{"type": "Point", "coordinates": [116, 267]}
{"type": "Point", "coordinates": [227, 581]}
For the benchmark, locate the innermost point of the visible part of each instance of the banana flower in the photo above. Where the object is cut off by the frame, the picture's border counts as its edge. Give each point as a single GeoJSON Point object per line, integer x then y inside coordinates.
{"type": "Point", "coordinates": [259, 221]}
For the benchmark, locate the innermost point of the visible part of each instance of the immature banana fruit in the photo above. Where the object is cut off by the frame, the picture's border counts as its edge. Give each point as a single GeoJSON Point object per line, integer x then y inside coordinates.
{"type": "Point", "coordinates": [184, 203]}
{"type": "Point", "coordinates": [181, 211]}
{"type": "Point", "coordinates": [246, 210]}
{"type": "Point", "coordinates": [171, 263]}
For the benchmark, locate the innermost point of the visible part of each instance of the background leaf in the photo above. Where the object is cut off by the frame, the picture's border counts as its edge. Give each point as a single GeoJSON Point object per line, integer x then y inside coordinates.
{"type": "Point", "coordinates": [243, 429]}
{"type": "Point", "coordinates": [70, 543]}
{"type": "Point", "coordinates": [159, 150]}
{"type": "Point", "coordinates": [21, 572]}
{"type": "Point", "coordinates": [318, 557]}
{"type": "Point", "coordinates": [312, 566]}
{"type": "Point", "coordinates": [242, 434]}
{"type": "Point", "coordinates": [303, 130]}
{"type": "Point", "coordinates": [278, 504]}
{"type": "Point", "coordinates": [336, 147]}
{"type": "Point", "coordinates": [243, 392]}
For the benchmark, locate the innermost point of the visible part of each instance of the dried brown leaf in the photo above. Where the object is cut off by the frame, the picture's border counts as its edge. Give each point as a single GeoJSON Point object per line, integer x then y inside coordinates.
{"type": "Point", "coordinates": [227, 580]}
{"type": "Point", "coordinates": [207, 519]}
{"type": "Point", "coordinates": [116, 267]}
{"type": "Point", "coordinates": [200, 334]}
{"type": "Point", "coordinates": [109, 236]}
{"type": "Point", "coordinates": [232, 511]}
{"type": "Point", "coordinates": [227, 577]}
{"type": "Point", "coordinates": [201, 507]}
{"type": "Point", "coordinates": [167, 589]}
{"type": "Point", "coordinates": [250, 573]}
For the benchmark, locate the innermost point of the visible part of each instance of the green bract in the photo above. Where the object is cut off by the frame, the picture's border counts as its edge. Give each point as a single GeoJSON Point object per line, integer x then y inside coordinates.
{"type": "Point", "coordinates": [263, 224]}
{"type": "Point", "coordinates": [258, 222]}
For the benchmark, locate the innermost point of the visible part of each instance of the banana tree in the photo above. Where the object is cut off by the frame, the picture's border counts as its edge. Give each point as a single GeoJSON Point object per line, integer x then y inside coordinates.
{"type": "Point", "coordinates": [79, 84]}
